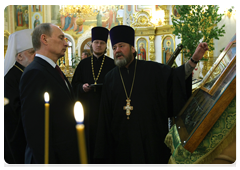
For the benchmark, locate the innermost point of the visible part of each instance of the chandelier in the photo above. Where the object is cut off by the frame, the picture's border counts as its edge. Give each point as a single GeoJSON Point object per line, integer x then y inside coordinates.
{"type": "Point", "coordinates": [80, 11]}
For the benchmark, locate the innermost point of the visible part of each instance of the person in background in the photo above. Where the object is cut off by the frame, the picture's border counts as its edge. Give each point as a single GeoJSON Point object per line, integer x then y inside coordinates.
{"type": "Point", "coordinates": [85, 54]}
{"type": "Point", "coordinates": [20, 54]}
{"type": "Point", "coordinates": [44, 75]}
{"type": "Point", "coordinates": [87, 84]}
{"type": "Point", "coordinates": [138, 97]}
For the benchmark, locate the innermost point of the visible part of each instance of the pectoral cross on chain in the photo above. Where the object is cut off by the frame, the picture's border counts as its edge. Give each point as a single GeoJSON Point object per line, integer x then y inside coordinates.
{"type": "Point", "coordinates": [128, 108]}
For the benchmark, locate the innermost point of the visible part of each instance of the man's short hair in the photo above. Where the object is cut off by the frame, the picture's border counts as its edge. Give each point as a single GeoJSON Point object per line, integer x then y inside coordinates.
{"type": "Point", "coordinates": [86, 53]}
{"type": "Point", "coordinates": [44, 28]}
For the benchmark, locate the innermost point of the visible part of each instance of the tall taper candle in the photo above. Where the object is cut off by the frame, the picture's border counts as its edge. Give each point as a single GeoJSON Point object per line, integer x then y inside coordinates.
{"type": "Point", "coordinates": [79, 116]}
{"type": "Point", "coordinates": [46, 150]}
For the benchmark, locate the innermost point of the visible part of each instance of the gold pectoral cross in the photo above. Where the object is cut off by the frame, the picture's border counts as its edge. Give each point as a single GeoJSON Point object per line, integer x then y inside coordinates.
{"type": "Point", "coordinates": [128, 108]}
{"type": "Point", "coordinates": [95, 86]}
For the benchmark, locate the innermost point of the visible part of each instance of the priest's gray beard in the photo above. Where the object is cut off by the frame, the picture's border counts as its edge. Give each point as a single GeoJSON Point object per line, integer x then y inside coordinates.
{"type": "Point", "coordinates": [121, 62]}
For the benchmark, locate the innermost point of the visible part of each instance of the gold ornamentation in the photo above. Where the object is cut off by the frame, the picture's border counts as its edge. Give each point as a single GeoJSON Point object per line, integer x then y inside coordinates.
{"type": "Point", "coordinates": [62, 66]}
{"type": "Point", "coordinates": [6, 34]}
{"type": "Point", "coordinates": [166, 14]}
{"type": "Point", "coordinates": [81, 11]}
{"type": "Point", "coordinates": [18, 68]}
{"type": "Point", "coordinates": [208, 64]}
{"type": "Point", "coordinates": [96, 79]}
{"type": "Point", "coordinates": [67, 73]}
{"type": "Point", "coordinates": [152, 49]}
{"type": "Point", "coordinates": [79, 21]}
{"type": "Point", "coordinates": [142, 19]}
{"type": "Point", "coordinates": [144, 31]}
{"type": "Point", "coordinates": [120, 19]}
{"type": "Point", "coordinates": [128, 107]}
{"type": "Point", "coordinates": [163, 30]}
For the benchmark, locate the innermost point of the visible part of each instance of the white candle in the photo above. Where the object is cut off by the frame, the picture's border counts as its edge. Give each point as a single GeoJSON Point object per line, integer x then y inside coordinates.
{"type": "Point", "coordinates": [79, 116]}
{"type": "Point", "coordinates": [46, 98]}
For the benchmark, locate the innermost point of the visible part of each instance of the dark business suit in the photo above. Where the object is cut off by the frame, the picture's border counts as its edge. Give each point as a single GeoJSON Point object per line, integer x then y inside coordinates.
{"type": "Point", "coordinates": [40, 77]}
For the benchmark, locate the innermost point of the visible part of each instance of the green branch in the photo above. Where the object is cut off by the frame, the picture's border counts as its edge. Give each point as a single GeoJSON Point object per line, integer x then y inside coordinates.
{"type": "Point", "coordinates": [196, 23]}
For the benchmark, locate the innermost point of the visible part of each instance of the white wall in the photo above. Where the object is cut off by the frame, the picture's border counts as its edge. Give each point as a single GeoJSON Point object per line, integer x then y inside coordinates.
{"type": "Point", "coordinates": [158, 49]}
{"type": "Point", "coordinates": [230, 29]}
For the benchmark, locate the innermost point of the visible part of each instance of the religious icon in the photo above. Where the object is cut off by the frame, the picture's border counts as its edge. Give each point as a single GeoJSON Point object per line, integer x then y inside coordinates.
{"type": "Point", "coordinates": [227, 59]}
{"type": "Point", "coordinates": [217, 90]}
{"type": "Point", "coordinates": [36, 21]}
{"type": "Point", "coordinates": [26, 19]}
{"type": "Point", "coordinates": [142, 52]}
{"type": "Point", "coordinates": [168, 48]}
{"type": "Point", "coordinates": [142, 49]}
{"type": "Point", "coordinates": [167, 51]}
{"type": "Point", "coordinates": [36, 8]}
{"type": "Point", "coordinates": [19, 16]}
{"type": "Point", "coordinates": [75, 25]}
{"type": "Point", "coordinates": [36, 13]}
{"type": "Point", "coordinates": [175, 12]}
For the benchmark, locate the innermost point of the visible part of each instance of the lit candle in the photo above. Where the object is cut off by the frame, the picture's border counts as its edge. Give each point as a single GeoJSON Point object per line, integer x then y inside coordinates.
{"type": "Point", "coordinates": [46, 98]}
{"type": "Point", "coordinates": [79, 116]}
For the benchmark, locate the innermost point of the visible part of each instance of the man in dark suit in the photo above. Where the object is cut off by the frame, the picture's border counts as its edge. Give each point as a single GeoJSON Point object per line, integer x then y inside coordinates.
{"type": "Point", "coordinates": [39, 77]}
{"type": "Point", "coordinates": [20, 54]}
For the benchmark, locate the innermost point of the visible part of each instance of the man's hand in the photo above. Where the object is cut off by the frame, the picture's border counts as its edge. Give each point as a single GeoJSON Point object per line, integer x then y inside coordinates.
{"type": "Point", "coordinates": [199, 52]}
{"type": "Point", "coordinates": [86, 87]}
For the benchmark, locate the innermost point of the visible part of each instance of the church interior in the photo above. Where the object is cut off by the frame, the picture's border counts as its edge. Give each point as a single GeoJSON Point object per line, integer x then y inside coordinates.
{"type": "Point", "coordinates": [205, 130]}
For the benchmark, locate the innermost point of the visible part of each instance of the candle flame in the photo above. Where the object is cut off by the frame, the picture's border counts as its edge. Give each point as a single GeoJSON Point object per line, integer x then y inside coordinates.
{"type": "Point", "coordinates": [46, 97]}
{"type": "Point", "coordinates": [78, 112]}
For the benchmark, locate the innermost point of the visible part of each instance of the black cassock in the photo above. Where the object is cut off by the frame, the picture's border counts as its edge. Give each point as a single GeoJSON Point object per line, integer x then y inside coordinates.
{"type": "Point", "coordinates": [90, 100]}
{"type": "Point", "coordinates": [13, 129]}
{"type": "Point", "coordinates": [159, 92]}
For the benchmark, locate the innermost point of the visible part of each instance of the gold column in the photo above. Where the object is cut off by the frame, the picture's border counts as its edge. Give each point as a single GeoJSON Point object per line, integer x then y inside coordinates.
{"type": "Point", "coordinates": [210, 59]}
{"type": "Point", "coordinates": [62, 66]}
{"type": "Point", "coordinates": [6, 34]}
{"type": "Point", "coordinates": [166, 14]}
{"type": "Point", "coordinates": [152, 49]}
{"type": "Point", "coordinates": [67, 62]}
